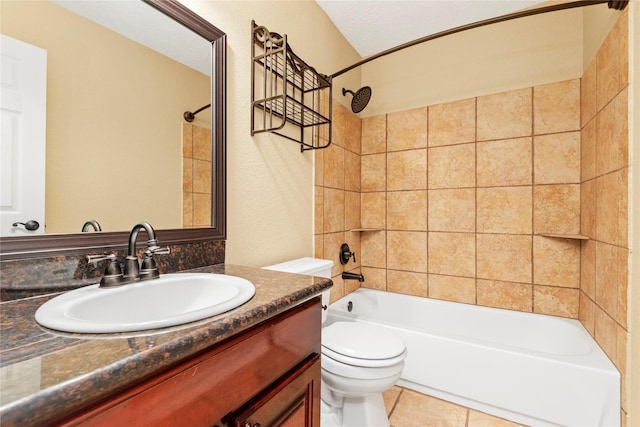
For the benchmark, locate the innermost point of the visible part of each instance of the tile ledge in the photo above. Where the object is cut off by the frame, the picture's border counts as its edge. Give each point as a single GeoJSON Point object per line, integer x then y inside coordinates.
{"type": "Point", "coordinates": [565, 236]}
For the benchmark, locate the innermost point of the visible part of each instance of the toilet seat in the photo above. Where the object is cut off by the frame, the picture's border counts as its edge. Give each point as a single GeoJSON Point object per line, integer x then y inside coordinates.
{"type": "Point", "coordinates": [360, 344]}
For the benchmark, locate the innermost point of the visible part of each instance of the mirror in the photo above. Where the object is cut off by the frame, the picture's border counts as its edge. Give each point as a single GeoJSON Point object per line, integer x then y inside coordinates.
{"type": "Point", "coordinates": [137, 172]}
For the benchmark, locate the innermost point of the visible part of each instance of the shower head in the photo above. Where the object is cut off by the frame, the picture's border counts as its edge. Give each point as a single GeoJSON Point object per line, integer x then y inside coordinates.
{"type": "Point", "coordinates": [360, 98]}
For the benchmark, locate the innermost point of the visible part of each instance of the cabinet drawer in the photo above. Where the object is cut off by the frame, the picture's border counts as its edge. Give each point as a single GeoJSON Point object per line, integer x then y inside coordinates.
{"type": "Point", "coordinates": [208, 387]}
{"type": "Point", "coordinates": [294, 401]}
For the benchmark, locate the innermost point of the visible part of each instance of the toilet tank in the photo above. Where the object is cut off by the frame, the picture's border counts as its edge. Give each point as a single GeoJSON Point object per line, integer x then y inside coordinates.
{"type": "Point", "coordinates": [308, 265]}
{"type": "Point", "coordinates": [311, 267]}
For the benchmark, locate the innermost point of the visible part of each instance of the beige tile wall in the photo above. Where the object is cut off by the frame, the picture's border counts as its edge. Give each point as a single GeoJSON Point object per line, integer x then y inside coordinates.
{"type": "Point", "coordinates": [461, 193]}
{"type": "Point", "coordinates": [604, 193]}
{"type": "Point", "coordinates": [338, 198]}
{"type": "Point", "coordinates": [196, 176]}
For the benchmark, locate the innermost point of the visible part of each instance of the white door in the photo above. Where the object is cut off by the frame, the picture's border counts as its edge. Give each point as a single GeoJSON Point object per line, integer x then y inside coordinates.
{"type": "Point", "coordinates": [23, 94]}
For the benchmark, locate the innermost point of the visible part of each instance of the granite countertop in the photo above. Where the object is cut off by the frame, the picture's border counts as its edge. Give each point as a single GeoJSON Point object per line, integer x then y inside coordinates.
{"type": "Point", "coordinates": [46, 375]}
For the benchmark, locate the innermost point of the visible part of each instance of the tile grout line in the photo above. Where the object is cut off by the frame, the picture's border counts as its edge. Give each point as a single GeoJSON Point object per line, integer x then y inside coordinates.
{"type": "Point", "coordinates": [427, 193]}
{"type": "Point", "coordinates": [395, 403]}
{"type": "Point", "coordinates": [533, 194]}
{"type": "Point", "coordinates": [475, 190]}
{"type": "Point", "coordinates": [386, 196]}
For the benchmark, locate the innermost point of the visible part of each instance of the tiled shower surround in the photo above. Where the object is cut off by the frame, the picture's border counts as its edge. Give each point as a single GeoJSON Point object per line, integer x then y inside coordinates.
{"type": "Point", "coordinates": [604, 192]}
{"type": "Point", "coordinates": [465, 189]}
{"type": "Point", "coordinates": [457, 201]}
{"type": "Point", "coordinates": [196, 176]}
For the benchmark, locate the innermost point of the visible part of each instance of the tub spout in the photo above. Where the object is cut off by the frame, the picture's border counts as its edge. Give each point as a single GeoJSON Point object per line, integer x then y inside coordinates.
{"type": "Point", "coordinates": [352, 276]}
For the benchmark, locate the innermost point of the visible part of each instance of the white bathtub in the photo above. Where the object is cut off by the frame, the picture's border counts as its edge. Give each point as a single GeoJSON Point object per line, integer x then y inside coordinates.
{"type": "Point", "coordinates": [529, 368]}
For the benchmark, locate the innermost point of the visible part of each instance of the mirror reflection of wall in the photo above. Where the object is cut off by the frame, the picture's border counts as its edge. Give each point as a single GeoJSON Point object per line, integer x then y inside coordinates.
{"type": "Point", "coordinates": [196, 178]}
{"type": "Point", "coordinates": [114, 122]}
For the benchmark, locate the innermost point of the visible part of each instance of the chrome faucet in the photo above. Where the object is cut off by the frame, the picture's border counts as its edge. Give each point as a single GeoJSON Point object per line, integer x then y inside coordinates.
{"type": "Point", "coordinates": [148, 270]}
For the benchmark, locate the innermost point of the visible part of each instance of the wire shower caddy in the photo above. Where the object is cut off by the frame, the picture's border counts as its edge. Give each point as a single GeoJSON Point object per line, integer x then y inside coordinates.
{"type": "Point", "coordinates": [286, 90]}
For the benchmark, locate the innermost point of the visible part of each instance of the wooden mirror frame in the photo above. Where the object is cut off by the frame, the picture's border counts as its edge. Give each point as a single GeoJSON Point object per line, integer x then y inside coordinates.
{"type": "Point", "coordinates": [39, 246]}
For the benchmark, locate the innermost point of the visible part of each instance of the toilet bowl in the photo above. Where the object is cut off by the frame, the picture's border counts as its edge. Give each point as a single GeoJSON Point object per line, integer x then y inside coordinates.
{"type": "Point", "coordinates": [359, 362]}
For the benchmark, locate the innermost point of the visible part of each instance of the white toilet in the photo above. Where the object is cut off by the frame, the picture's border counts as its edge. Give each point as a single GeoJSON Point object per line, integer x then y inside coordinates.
{"type": "Point", "coordinates": [359, 361]}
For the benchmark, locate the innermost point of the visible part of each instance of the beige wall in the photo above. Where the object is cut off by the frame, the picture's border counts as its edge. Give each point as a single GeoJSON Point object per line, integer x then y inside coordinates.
{"type": "Point", "coordinates": [525, 52]}
{"type": "Point", "coordinates": [597, 22]}
{"type": "Point", "coordinates": [109, 157]}
{"type": "Point", "coordinates": [269, 182]}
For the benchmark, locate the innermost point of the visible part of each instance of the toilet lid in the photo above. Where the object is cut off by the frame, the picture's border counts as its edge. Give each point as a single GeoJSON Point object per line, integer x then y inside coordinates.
{"type": "Point", "coordinates": [361, 341]}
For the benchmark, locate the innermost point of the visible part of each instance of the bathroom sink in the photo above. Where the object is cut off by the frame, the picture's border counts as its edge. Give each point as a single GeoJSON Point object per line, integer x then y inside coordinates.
{"type": "Point", "coordinates": [171, 300]}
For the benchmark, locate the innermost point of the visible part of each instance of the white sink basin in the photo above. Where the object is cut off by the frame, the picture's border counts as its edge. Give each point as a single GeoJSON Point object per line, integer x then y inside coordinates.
{"type": "Point", "coordinates": [173, 299]}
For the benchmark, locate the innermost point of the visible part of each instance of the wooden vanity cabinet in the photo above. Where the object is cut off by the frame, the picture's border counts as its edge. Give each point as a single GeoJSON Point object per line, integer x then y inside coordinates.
{"type": "Point", "coordinates": [266, 376]}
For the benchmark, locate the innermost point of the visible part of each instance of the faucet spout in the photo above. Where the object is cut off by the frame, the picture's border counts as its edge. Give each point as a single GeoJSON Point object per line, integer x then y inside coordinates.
{"type": "Point", "coordinates": [89, 224]}
{"type": "Point", "coordinates": [152, 243]}
{"type": "Point", "coordinates": [352, 276]}
{"type": "Point", "coordinates": [149, 270]}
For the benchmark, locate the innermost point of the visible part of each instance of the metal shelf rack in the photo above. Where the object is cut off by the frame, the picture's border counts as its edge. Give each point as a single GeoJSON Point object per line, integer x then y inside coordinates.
{"type": "Point", "coordinates": [286, 90]}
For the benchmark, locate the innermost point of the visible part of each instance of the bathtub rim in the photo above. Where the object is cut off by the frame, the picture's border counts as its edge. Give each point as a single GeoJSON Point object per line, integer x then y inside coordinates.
{"type": "Point", "coordinates": [595, 354]}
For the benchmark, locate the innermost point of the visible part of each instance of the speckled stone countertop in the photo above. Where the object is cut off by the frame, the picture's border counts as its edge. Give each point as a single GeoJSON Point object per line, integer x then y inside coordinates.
{"type": "Point", "coordinates": [45, 375]}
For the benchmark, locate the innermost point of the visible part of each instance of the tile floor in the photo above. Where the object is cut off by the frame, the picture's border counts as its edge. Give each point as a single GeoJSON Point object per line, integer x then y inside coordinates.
{"type": "Point", "coordinates": [408, 408]}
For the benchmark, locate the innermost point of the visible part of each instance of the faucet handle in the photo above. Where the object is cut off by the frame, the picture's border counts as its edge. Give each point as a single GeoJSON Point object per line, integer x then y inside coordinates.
{"type": "Point", "coordinates": [112, 273]}
{"type": "Point", "coordinates": [157, 250]}
{"type": "Point", "coordinates": [97, 258]}
{"type": "Point", "coordinates": [148, 269]}
{"type": "Point", "coordinates": [345, 254]}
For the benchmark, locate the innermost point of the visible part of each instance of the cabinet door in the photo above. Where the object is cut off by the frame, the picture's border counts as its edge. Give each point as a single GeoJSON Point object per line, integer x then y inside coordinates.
{"type": "Point", "coordinates": [203, 390]}
{"type": "Point", "coordinates": [293, 401]}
